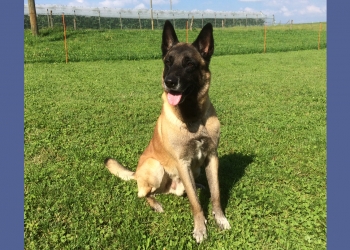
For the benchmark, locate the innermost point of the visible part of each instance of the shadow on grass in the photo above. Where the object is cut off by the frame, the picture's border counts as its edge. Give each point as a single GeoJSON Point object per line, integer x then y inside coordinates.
{"type": "Point", "coordinates": [231, 170]}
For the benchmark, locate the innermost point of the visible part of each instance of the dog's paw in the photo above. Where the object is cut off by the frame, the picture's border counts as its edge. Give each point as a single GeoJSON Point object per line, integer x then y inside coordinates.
{"type": "Point", "coordinates": [200, 235]}
{"type": "Point", "coordinates": [222, 222]}
{"type": "Point", "coordinates": [158, 208]}
{"type": "Point", "coordinates": [200, 232]}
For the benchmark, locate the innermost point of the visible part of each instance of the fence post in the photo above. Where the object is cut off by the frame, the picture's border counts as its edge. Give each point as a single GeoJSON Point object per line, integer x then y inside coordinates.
{"type": "Point", "coordinates": [51, 19]}
{"type": "Point", "coordinates": [99, 20]}
{"type": "Point", "coordinates": [140, 19]}
{"type": "Point", "coordinates": [75, 22]}
{"type": "Point", "coordinates": [65, 38]}
{"type": "Point", "coordinates": [265, 39]}
{"type": "Point", "coordinates": [48, 18]}
{"type": "Point", "coordinates": [120, 18]}
{"type": "Point", "coordinates": [188, 18]}
{"type": "Point", "coordinates": [151, 15]}
{"type": "Point", "coordinates": [319, 37]}
{"type": "Point", "coordinates": [186, 31]}
{"type": "Point", "coordinates": [33, 17]}
{"type": "Point", "coordinates": [192, 23]}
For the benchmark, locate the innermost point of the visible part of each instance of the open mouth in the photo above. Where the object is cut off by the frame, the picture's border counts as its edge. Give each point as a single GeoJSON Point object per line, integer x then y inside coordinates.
{"type": "Point", "coordinates": [174, 97]}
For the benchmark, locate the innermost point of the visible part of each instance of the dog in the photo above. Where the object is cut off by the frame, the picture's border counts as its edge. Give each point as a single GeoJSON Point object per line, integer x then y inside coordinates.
{"type": "Point", "coordinates": [186, 134]}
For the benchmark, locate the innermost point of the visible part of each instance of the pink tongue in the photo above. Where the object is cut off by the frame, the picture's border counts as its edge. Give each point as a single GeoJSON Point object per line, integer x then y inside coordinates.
{"type": "Point", "coordinates": [174, 99]}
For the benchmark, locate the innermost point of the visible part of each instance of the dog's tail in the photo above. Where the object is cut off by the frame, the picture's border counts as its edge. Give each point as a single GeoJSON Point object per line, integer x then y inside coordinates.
{"type": "Point", "coordinates": [118, 170]}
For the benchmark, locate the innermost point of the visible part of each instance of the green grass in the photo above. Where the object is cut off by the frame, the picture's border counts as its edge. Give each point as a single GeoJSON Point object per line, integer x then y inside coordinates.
{"type": "Point", "coordinates": [92, 45]}
{"type": "Point", "coordinates": [272, 108]}
{"type": "Point", "coordinates": [272, 151]}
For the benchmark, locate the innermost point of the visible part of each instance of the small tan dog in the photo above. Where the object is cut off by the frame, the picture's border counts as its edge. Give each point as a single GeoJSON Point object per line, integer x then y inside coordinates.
{"type": "Point", "coordinates": [186, 135]}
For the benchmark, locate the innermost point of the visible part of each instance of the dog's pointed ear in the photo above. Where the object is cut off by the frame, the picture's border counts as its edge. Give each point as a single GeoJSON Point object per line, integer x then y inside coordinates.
{"type": "Point", "coordinates": [205, 42]}
{"type": "Point", "coordinates": [169, 38]}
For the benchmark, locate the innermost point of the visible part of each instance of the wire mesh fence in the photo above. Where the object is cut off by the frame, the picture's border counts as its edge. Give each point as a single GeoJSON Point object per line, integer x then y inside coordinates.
{"type": "Point", "coordinates": [108, 18]}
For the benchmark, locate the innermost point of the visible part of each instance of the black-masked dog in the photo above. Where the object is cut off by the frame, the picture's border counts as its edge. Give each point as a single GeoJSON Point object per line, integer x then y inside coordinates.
{"type": "Point", "coordinates": [186, 135]}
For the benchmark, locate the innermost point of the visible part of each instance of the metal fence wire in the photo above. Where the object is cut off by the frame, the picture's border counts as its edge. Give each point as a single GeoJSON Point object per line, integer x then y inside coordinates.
{"type": "Point", "coordinates": [109, 18]}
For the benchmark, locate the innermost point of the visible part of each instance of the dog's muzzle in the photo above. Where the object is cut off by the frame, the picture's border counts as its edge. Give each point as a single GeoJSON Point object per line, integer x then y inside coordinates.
{"type": "Point", "coordinates": [176, 92]}
{"type": "Point", "coordinates": [172, 83]}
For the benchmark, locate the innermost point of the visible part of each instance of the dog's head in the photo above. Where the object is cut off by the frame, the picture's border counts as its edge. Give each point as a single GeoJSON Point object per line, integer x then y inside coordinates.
{"type": "Point", "coordinates": [186, 66]}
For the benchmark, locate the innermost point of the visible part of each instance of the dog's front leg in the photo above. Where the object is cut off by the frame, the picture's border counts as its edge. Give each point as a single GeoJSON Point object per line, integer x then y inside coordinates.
{"type": "Point", "coordinates": [186, 175]}
{"type": "Point", "coordinates": [212, 176]}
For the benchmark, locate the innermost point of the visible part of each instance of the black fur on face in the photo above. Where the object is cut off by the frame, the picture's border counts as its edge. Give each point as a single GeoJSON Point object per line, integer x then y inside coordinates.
{"type": "Point", "coordinates": [182, 69]}
{"type": "Point", "coordinates": [185, 65]}
{"type": "Point", "coordinates": [186, 75]}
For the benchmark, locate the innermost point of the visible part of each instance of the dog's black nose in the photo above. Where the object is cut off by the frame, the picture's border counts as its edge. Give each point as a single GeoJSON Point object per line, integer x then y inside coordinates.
{"type": "Point", "coordinates": [170, 81]}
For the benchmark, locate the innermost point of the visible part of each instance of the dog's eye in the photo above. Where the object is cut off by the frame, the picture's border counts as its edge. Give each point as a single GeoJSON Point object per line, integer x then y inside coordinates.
{"type": "Point", "coordinates": [167, 62]}
{"type": "Point", "coordinates": [190, 64]}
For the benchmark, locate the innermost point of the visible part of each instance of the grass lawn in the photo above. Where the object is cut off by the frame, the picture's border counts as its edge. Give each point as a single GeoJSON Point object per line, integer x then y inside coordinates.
{"type": "Point", "coordinates": [115, 44]}
{"type": "Point", "coordinates": [272, 151]}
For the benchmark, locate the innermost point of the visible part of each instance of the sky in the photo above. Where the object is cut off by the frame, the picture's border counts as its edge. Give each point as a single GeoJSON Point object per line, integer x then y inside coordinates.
{"type": "Point", "coordinates": [300, 11]}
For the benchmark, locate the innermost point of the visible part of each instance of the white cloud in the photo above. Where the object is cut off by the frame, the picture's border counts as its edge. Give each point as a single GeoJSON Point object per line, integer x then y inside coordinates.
{"type": "Point", "coordinates": [284, 10]}
{"type": "Point", "coordinates": [140, 6]}
{"type": "Point", "coordinates": [127, 4]}
{"type": "Point", "coordinates": [249, 0]}
{"type": "Point", "coordinates": [289, 3]}
{"type": "Point", "coordinates": [133, 4]}
{"type": "Point", "coordinates": [247, 9]}
{"type": "Point", "coordinates": [156, 2]}
{"type": "Point", "coordinates": [82, 3]}
{"type": "Point", "coordinates": [313, 9]}
{"type": "Point", "coordinates": [160, 2]}
{"type": "Point", "coordinates": [274, 3]}
{"type": "Point", "coordinates": [117, 3]}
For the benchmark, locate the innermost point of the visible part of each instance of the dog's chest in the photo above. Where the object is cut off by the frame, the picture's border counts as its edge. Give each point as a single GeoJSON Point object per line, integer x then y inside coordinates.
{"type": "Point", "coordinates": [198, 151]}
{"type": "Point", "coordinates": [195, 147]}
{"type": "Point", "coordinates": [194, 157]}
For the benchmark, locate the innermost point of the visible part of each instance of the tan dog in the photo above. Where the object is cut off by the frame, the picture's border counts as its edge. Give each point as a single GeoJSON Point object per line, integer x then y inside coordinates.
{"type": "Point", "coordinates": [186, 135]}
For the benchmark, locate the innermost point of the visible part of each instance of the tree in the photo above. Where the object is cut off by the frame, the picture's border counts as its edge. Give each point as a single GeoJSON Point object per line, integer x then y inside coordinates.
{"type": "Point", "coordinates": [32, 17]}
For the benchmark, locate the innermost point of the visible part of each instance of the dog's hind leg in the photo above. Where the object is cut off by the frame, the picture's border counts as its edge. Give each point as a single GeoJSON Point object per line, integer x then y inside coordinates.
{"type": "Point", "coordinates": [144, 190]}
{"type": "Point", "coordinates": [154, 204]}
{"type": "Point", "coordinates": [149, 177]}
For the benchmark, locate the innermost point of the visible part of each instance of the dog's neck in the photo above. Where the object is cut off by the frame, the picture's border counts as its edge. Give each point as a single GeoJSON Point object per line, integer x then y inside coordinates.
{"type": "Point", "coordinates": [190, 110]}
